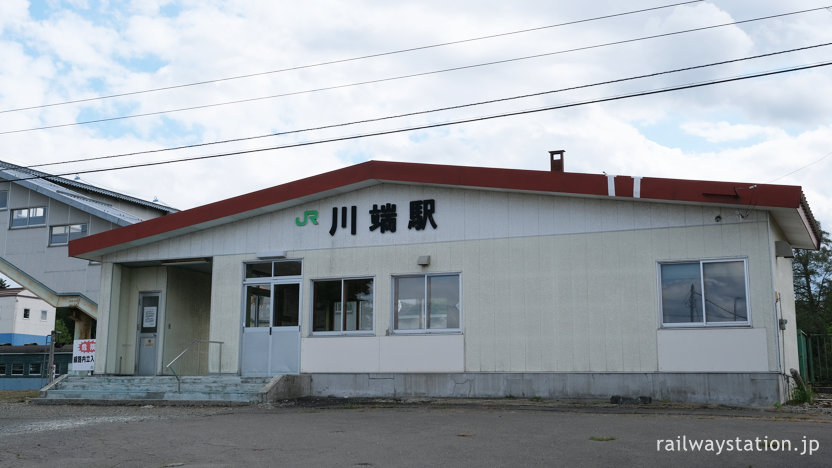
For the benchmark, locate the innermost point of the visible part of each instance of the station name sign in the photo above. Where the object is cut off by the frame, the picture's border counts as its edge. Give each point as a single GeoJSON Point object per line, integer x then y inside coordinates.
{"type": "Point", "coordinates": [382, 217]}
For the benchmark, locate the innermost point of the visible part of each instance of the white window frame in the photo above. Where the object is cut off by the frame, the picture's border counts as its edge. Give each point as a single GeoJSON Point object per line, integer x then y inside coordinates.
{"type": "Point", "coordinates": [44, 316]}
{"type": "Point", "coordinates": [68, 234]}
{"type": "Point", "coordinates": [21, 368]}
{"type": "Point", "coordinates": [370, 332]}
{"type": "Point", "coordinates": [39, 368]}
{"type": "Point", "coordinates": [705, 323]}
{"type": "Point", "coordinates": [26, 314]}
{"type": "Point", "coordinates": [28, 217]}
{"type": "Point", "coordinates": [423, 330]}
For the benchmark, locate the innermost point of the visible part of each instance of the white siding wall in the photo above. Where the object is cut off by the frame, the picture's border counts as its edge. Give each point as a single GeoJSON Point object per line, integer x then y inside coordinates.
{"type": "Point", "coordinates": [548, 283]}
{"type": "Point", "coordinates": [29, 250]}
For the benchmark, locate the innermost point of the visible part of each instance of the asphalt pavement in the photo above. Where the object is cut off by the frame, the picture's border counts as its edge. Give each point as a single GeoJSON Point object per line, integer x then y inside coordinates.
{"type": "Point", "coordinates": [353, 433]}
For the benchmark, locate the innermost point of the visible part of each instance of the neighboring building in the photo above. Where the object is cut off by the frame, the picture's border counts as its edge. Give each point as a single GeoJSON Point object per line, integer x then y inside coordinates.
{"type": "Point", "coordinates": [43, 213]}
{"type": "Point", "coordinates": [395, 279]}
{"type": "Point", "coordinates": [26, 367]}
{"type": "Point", "coordinates": [24, 318]}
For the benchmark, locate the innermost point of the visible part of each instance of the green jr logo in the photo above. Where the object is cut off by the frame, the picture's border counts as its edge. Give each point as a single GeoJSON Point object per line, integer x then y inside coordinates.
{"type": "Point", "coordinates": [310, 215]}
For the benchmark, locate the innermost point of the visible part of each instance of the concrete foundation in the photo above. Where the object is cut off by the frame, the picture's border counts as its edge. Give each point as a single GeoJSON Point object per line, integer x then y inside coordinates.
{"type": "Point", "coordinates": [746, 389]}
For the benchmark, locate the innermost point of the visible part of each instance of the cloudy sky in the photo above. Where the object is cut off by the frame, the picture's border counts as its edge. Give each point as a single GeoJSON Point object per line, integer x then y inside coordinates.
{"type": "Point", "coordinates": [277, 56]}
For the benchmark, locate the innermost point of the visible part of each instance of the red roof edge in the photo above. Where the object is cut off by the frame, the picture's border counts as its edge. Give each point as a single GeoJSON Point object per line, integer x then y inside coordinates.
{"type": "Point", "coordinates": [679, 190]}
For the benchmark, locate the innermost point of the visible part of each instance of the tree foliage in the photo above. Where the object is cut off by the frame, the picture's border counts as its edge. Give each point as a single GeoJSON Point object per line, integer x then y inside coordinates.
{"type": "Point", "coordinates": [813, 288]}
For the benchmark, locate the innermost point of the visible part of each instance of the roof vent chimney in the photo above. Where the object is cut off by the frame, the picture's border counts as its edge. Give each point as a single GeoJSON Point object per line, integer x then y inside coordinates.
{"type": "Point", "coordinates": [557, 164]}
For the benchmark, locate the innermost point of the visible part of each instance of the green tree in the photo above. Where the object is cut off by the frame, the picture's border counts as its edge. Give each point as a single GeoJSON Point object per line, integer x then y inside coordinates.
{"type": "Point", "coordinates": [3, 283]}
{"type": "Point", "coordinates": [813, 287]}
{"type": "Point", "coordinates": [64, 327]}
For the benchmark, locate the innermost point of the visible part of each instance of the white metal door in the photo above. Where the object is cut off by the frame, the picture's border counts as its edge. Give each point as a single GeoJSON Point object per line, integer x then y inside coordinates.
{"type": "Point", "coordinates": [271, 332]}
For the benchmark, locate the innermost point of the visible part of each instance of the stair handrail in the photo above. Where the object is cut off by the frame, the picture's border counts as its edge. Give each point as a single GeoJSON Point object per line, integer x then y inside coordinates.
{"type": "Point", "coordinates": [187, 348]}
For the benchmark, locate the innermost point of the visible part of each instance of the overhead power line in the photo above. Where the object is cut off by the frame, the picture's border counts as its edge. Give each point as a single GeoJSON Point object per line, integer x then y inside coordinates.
{"type": "Point", "coordinates": [442, 124]}
{"type": "Point", "coordinates": [441, 109]}
{"type": "Point", "coordinates": [381, 80]}
{"type": "Point", "coordinates": [352, 59]}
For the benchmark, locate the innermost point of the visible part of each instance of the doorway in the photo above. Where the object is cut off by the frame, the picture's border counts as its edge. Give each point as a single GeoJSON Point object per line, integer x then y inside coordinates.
{"type": "Point", "coordinates": [148, 336]}
{"type": "Point", "coordinates": [271, 322]}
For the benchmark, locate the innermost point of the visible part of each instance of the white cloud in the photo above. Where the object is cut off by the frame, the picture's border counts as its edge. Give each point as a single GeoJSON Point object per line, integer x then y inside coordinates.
{"type": "Point", "coordinates": [719, 132]}
{"type": "Point", "coordinates": [768, 127]}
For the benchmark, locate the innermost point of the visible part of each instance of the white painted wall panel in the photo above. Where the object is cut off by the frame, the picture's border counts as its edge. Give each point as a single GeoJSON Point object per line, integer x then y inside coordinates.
{"type": "Point", "coordinates": [549, 283]}
{"type": "Point", "coordinates": [713, 350]}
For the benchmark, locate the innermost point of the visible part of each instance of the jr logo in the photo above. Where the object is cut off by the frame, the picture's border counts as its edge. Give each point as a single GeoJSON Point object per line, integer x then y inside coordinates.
{"type": "Point", "coordinates": [310, 215]}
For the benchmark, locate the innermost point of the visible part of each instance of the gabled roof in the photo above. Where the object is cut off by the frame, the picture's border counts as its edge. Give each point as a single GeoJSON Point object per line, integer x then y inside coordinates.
{"type": "Point", "coordinates": [62, 190]}
{"type": "Point", "coordinates": [33, 175]}
{"type": "Point", "coordinates": [786, 203]}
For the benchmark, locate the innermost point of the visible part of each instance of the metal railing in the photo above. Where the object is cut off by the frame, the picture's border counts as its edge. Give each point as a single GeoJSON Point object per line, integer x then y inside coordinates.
{"type": "Point", "coordinates": [198, 354]}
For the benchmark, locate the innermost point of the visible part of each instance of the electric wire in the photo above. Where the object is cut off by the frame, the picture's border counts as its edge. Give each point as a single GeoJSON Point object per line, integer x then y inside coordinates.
{"type": "Point", "coordinates": [352, 59]}
{"type": "Point", "coordinates": [441, 124]}
{"type": "Point", "coordinates": [441, 109]}
{"type": "Point", "coordinates": [465, 67]}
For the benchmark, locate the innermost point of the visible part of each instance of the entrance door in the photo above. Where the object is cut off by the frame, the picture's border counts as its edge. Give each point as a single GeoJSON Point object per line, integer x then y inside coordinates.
{"type": "Point", "coordinates": [148, 343]}
{"type": "Point", "coordinates": [271, 333]}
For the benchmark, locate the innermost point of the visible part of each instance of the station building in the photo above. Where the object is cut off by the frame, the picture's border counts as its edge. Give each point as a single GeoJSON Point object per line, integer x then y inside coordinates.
{"type": "Point", "coordinates": [400, 279]}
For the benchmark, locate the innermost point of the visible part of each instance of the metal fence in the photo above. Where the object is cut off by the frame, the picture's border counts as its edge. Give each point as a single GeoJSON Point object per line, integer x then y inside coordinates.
{"type": "Point", "coordinates": [815, 351]}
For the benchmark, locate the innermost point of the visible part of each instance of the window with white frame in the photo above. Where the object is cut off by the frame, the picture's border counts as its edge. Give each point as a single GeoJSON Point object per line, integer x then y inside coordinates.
{"type": "Point", "coordinates": [17, 368]}
{"type": "Point", "coordinates": [2, 369]}
{"type": "Point", "coordinates": [704, 293]}
{"type": "Point", "coordinates": [62, 235]}
{"type": "Point", "coordinates": [426, 303]}
{"type": "Point", "coordinates": [26, 313]}
{"type": "Point", "coordinates": [43, 315]}
{"type": "Point", "coordinates": [28, 217]}
{"type": "Point", "coordinates": [342, 305]}
{"type": "Point", "coordinates": [34, 368]}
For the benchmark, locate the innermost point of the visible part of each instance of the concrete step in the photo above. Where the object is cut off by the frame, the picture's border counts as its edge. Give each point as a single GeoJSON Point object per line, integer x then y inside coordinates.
{"type": "Point", "coordinates": [158, 388]}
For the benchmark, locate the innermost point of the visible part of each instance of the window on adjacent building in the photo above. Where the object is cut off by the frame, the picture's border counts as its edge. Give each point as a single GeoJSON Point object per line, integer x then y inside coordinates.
{"type": "Point", "coordinates": [26, 313]}
{"type": "Point", "coordinates": [707, 292]}
{"type": "Point", "coordinates": [28, 217]}
{"type": "Point", "coordinates": [34, 368]}
{"type": "Point", "coordinates": [17, 368]}
{"type": "Point", "coordinates": [43, 315]}
{"type": "Point", "coordinates": [61, 235]}
{"type": "Point", "coordinates": [342, 305]}
{"type": "Point", "coordinates": [2, 369]}
{"type": "Point", "coordinates": [426, 303]}
{"type": "Point", "coordinates": [4, 199]}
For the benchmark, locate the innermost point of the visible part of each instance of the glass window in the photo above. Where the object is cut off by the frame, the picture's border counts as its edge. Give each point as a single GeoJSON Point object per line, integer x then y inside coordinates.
{"type": "Point", "coordinates": [26, 313]}
{"type": "Point", "coordinates": [59, 235]}
{"type": "Point", "coordinates": [2, 369]}
{"type": "Point", "coordinates": [704, 293]}
{"type": "Point", "coordinates": [286, 305]}
{"type": "Point", "coordinates": [259, 270]}
{"type": "Point", "coordinates": [426, 302]}
{"type": "Point", "coordinates": [17, 368]}
{"type": "Point", "coordinates": [4, 199]}
{"type": "Point", "coordinates": [26, 217]}
{"type": "Point", "coordinates": [287, 268]}
{"type": "Point", "coordinates": [43, 315]}
{"type": "Point", "coordinates": [344, 305]}
{"type": "Point", "coordinates": [34, 368]}
{"type": "Point", "coordinates": [272, 269]}
{"type": "Point", "coordinates": [258, 305]}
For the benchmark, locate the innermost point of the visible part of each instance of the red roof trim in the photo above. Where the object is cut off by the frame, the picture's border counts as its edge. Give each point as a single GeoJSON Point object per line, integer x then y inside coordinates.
{"type": "Point", "coordinates": [678, 190]}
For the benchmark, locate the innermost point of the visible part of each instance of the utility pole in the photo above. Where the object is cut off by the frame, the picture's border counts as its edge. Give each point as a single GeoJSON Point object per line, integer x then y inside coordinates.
{"type": "Point", "coordinates": [51, 368]}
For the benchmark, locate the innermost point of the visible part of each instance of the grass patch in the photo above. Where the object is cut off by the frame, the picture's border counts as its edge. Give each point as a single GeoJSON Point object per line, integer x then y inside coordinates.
{"type": "Point", "coordinates": [18, 395]}
{"type": "Point", "coordinates": [601, 439]}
